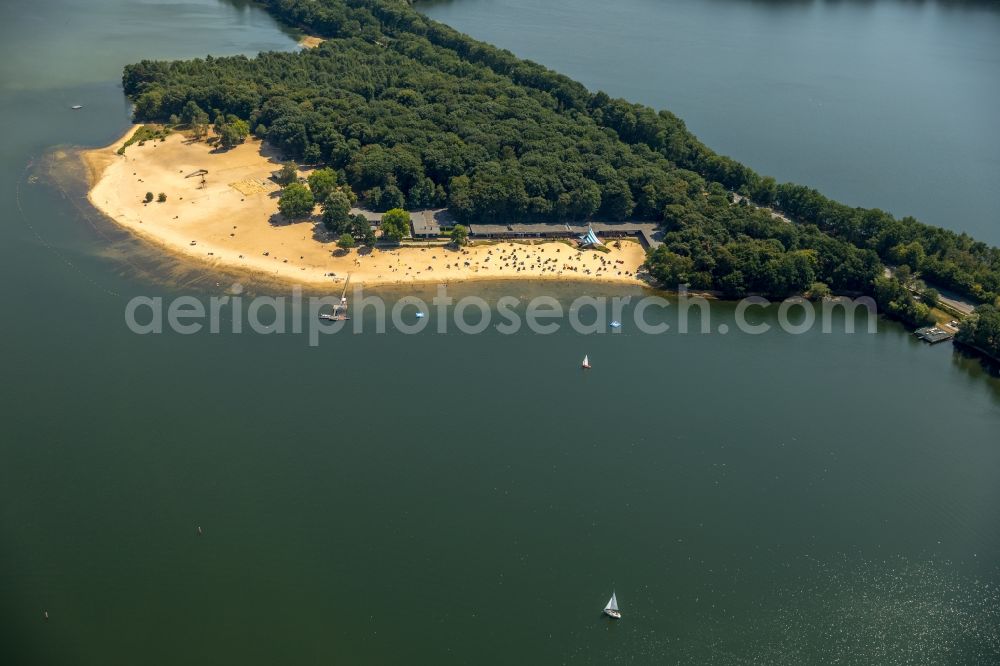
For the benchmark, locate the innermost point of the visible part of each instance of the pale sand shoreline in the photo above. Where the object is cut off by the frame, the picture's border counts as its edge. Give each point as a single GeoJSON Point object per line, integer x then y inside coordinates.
{"type": "Point", "coordinates": [233, 229]}
{"type": "Point", "coordinates": [310, 41]}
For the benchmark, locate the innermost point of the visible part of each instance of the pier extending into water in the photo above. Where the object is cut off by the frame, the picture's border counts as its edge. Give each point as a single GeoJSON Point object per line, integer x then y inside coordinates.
{"type": "Point", "coordinates": [340, 309]}
{"type": "Point", "coordinates": [933, 334]}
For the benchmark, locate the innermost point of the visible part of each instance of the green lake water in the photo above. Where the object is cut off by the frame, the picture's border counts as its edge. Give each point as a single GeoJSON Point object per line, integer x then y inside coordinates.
{"type": "Point", "coordinates": [398, 499]}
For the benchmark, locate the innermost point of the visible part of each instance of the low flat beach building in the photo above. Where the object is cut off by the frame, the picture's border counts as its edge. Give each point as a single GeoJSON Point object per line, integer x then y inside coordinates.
{"type": "Point", "coordinates": [374, 218]}
{"type": "Point", "coordinates": [425, 224]}
{"type": "Point", "coordinates": [644, 231]}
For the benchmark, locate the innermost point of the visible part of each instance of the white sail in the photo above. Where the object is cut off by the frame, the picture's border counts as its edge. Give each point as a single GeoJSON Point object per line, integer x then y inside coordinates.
{"type": "Point", "coordinates": [613, 604]}
{"type": "Point", "coordinates": [586, 360]}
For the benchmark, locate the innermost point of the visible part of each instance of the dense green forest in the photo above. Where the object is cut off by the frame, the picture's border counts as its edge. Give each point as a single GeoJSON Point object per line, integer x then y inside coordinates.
{"type": "Point", "coordinates": [412, 112]}
{"type": "Point", "coordinates": [982, 330]}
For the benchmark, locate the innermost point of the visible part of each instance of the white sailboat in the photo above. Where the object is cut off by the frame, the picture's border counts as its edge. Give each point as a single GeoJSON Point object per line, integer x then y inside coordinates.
{"type": "Point", "coordinates": [611, 610]}
{"type": "Point", "coordinates": [586, 362]}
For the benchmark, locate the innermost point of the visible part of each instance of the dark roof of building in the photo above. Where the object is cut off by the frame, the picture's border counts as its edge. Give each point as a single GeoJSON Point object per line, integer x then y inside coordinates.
{"type": "Point", "coordinates": [649, 239]}
{"type": "Point", "coordinates": [370, 214]}
{"type": "Point", "coordinates": [532, 228]}
{"type": "Point", "coordinates": [424, 224]}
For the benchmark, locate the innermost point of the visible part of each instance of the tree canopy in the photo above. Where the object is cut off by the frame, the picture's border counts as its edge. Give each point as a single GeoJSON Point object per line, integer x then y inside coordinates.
{"type": "Point", "coordinates": [233, 132]}
{"type": "Point", "coordinates": [982, 330]}
{"type": "Point", "coordinates": [337, 212]}
{"type": "Point", "coordinates": [396, 224]}
{"type": "Point", "coordinates": [287, 174]}
{"type": "Point", "coordinates": [459, 235]}
{"type": "Point", "coordinates": [897, 301]}
{"type": "Point", "coordinates": [296, 201]}
{"type": "Point", "coordinates": [322, 182]}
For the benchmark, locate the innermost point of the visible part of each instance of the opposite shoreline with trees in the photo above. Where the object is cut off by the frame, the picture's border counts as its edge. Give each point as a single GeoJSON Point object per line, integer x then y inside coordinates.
{"type": "Point", "coordinates": [408, 112]}
{"type": "Point", "coordinates": [981, 332]}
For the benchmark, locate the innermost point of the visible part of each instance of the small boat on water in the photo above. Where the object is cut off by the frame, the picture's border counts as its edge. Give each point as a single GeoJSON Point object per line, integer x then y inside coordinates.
{"type": "Point", "coordinates": [420, 315]}
{"type": "Point", "coordinates": [76, 107]}
{"type": "Point", "coordinates": [611, 610]}
{"type": "Point", "coordinates": [586, 362]}
{"type": "Point", "coordinates": [339, 311]}
{"type": "Point", "coordinates": [616, 324]}
{"type": "Point", "coordinates": [338, 314]}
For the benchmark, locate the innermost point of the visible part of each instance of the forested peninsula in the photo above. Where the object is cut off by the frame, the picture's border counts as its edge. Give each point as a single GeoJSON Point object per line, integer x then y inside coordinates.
{"type": "Point", "coordinates": [411, 112]}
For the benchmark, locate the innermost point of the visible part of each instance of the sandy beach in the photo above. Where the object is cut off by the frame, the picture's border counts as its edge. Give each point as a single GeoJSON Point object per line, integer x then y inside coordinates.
{"type": "Point", "coordinates": [231, 220]}
{"type": "Point", "coordinates": [310, 41]}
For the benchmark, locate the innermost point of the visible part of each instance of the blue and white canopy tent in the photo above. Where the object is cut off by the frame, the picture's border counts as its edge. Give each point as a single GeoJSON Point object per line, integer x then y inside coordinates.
{"type": "Point", "coordinates": [590, 238]}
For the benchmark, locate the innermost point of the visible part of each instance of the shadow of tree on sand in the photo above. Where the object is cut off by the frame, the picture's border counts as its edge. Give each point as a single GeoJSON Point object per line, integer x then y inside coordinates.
{"type": "Point", "coordinates": [279, 220]}
{"type": "Point", "coordinates": [323, 235]}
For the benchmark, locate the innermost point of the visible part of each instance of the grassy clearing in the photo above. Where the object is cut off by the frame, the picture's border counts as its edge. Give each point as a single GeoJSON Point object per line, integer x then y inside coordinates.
{"type": "Point", "coordinates": [144, 134]}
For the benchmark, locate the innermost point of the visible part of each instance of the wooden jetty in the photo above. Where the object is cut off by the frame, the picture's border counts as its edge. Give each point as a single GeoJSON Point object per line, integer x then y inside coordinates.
{"type": "Point", "coordinates": [933, 334]}
{"type": "Point", "coordinates": [340, 309]}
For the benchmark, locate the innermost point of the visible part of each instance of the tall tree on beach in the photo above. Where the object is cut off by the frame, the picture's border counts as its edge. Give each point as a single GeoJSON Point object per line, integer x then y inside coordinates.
{"type": "Point", "coordinates": [322, 182]}
{"type": "Point", "coordinates": [194, 117]}
{"type": "Point", "coordinates": [337, 212]}
{"type": "Point", "coordinates": [459, 235]}
{"type": "Point", "coordinates": [296, 201]}
{"type": "Point", "coordinates": [288, 174]}
{"type": "Point", "coordinates": [396, 224]}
